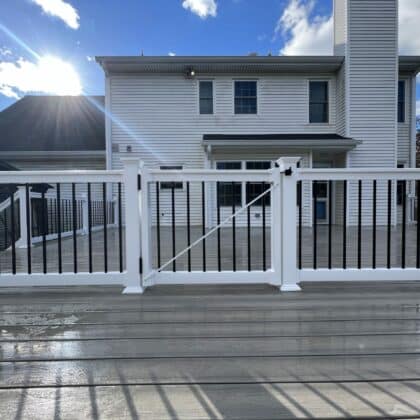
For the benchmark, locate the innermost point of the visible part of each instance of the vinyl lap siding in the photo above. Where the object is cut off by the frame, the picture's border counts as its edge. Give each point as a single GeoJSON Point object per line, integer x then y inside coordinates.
{"type": "Point", "coordinates": [159, 118]}
{"type": "Point", "coordinates": [373, 66]}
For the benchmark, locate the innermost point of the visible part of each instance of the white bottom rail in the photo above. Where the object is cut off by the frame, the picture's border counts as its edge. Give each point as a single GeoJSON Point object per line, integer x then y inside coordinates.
{"type": "Point", "coordinates": [356, 275]}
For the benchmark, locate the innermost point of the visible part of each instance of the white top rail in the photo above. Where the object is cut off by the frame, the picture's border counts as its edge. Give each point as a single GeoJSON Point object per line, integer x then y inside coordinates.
{"type": "Point", "coordinates": [41, 177]}
{"type": "Point", "coordinates": [199, 175]}
{"type": "Point", "coordinates": [355, 174]}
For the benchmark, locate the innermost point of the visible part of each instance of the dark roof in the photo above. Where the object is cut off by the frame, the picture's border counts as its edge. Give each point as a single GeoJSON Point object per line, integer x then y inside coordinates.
{"type": "Point", "coordinates": [256, 137]}
{"type": "Point", "coordinates": [5, 166]}
{"type": "Point", "coordinates": [53, 123]}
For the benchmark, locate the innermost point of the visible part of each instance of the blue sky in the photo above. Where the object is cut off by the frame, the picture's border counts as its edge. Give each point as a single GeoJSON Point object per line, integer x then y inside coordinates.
{"type": "Point", "coordinates": [74, 31]}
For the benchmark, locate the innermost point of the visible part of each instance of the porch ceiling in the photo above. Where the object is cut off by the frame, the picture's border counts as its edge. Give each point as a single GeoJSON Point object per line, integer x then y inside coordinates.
{"type": "Point", "coordinates": [320, 142]}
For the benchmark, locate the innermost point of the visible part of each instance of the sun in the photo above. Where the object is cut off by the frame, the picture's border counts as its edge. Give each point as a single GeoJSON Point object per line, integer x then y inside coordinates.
{"type": "Point", "coordinates": [58, 77]}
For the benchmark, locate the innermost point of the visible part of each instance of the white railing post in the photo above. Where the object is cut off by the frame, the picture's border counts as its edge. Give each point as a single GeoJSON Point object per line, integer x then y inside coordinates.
{"type": "Point", "coordinates": [132, 225]}
{"type": "Point", "coordinates": [288, 233]}
{"type": "Point", "coordinates": [146, 226]}
{"type": "Point", "coordinates": [276, 211]}
{"type": "Point", "coordinates": [22, 242]}
{"type": "Point", "coordinates": [85, 215]}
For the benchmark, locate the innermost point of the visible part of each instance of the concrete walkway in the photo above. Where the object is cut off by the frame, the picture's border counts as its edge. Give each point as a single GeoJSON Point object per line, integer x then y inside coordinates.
{"type": "Point", "coordinates": [331, 351]}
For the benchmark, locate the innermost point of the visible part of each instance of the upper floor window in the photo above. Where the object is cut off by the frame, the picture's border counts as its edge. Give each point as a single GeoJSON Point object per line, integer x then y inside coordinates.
{"type": "Point", "coordinates": [206, 97]}
{"type": "Point", "coordinates": [245, 97]}
{"type": "Point", "coordinates": [401, 101]}
{"type": "Point", "coordinates": [318, 102]}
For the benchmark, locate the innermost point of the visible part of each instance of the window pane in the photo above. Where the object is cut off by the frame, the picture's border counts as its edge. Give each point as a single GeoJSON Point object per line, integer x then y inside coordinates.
{"type": "Point", "coordinates": [229, 165]}
{"type": "Point", "coordinates": [254, 189]}
{"type": "Point", "coordinates": [206, 97]}
{"type": "Point", "coordinates": [245, 97]}
{"type": "Point", "coordinates": [245, 88]}
{"type": "Point", "coordinates": [401, 90]}
{"type": "Point", "coordinates": [318, 91]}
{"type": "Point", "coordinates": [318, 113]}
{"type": "Point", "coordinates": [258, 165]}
{"type": "Point", "coordinates": [245, 105]}
{"type": "Point", "coordinates": [206, 106]}
{"type": "Point", "coordinates": [206, 90]}
{"type": "Point", "coordinates": [401, 101]}
{"type": "Point", "coordinates": [228, 193]}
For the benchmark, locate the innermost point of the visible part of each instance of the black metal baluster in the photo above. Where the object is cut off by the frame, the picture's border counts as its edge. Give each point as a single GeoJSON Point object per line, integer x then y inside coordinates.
{"type": "Point", "coordinates": [233, 229]}
{"type": "Point", "coordinates": [388, 240]}
{"type": "Point", "coordinates": [219, 259]}
{"type": "Point", "coordinates": [203, 226]}
{"type": "Point", "coordinates": [404, 221]}
{"type": "Point", "coordinates": [418, 226]}
{"type": "Point", "coordinates": [315, 225]}
{"type": "Point", "coordinates": [74, 221]}
{"type": "Point", "coordinates": [13, 229]}
{"type": "Point", "coordinates": [120, 241]}
{"type": "Point", "coordinates": [248, 220]}
{"type": "Point", "coordinates": [28, 229]}
{"type": "Point", "coordinates": [264, 245]}
{"type": "Point", "coordinates": [359, 226]}
{"type": "Point", "coordinates": [89, 204]}
{"type": "Point", "coordinates": [300, 223]}
{"type": "Point", "coordinates": [188, 227]}
{"type": "Point", "coordinates": [44, 231]}
{"type": "Point", "coordinates": [173, 227]}
{"type": "Point", "coordinates": [374, 223]}
{"type": "Point", "coordinates": [59, 228]}
{"type": "Point", "coordinates": [344, 225]}
{"type": "Point", "coordinates": [330, 224]}
{"type": "Point", "coordinates": [105, 227]}
{"type": "Point", "coordinates": [158, 223]}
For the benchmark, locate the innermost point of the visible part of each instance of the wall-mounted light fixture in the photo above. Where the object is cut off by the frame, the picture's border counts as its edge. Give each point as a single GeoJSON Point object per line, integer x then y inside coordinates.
{"type": "Point", "coordinates": [190, 73]}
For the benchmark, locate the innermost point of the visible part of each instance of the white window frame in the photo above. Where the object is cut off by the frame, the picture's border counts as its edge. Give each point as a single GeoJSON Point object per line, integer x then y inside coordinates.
{"type": "Point", "coordinates": [198, 97]}
{"type": "Point", "coordinates": [308, 104]}
{"type": "Point", "coordinates": [257, 81]}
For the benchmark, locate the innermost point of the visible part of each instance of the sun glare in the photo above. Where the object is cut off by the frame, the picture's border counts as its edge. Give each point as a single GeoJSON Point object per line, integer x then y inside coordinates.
{"type": "Point", "coordinates": [58, 77]}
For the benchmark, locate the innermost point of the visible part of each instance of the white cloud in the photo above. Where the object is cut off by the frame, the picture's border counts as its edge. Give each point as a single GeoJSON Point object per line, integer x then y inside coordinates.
{"type": "Point", "coordinates": [90, 58]}
{"type": "Point", "coordinates": [305, 34]}
{"type": "Point", "coordinates": [60, 9]}
{"type": "Point", "coordinates": [4, 51]}
{"type": "Point", "coordinates": [418, 108]}
{"type": "Point", "coordinates": [50, 75]}
{"type": "Point", "coordinates": [202, 8]}
{"type": "Point", "coordinates": [409, 36]}
{"type": "Point", "coordinates": [172, 54]}
{"type": "Point", "coordinates": [313, 35]}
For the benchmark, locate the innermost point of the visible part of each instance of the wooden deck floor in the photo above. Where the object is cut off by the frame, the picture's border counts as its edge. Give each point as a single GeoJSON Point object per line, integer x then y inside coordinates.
{"type": "Point", "coordinates": [331, 351]}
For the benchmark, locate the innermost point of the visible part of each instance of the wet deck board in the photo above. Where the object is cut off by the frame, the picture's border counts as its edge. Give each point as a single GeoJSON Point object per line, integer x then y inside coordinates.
{"type": "Point", "coordinates": [211, 352]}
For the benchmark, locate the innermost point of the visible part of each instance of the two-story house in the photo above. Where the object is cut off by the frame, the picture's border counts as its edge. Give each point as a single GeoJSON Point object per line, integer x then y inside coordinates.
{"type": "Point", "coordinates": [356, 108]}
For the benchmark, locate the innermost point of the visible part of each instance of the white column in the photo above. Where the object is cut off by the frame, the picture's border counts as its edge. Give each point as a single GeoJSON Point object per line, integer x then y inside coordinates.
{"type": "Point", "coordinates": [146, 226]}
{"type": "Point", "coordinates": [288, 169]}
{"type": "Point", "coordinates": [22, 242]}
{"type": "Point", "coordinates": [132, 225]}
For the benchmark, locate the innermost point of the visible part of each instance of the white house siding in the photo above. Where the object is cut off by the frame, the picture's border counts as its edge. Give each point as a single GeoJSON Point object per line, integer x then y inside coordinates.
{"type": "Point", "coordinates": [372, 68]}
{"type": "Point", "coordinates": [158, 117]}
